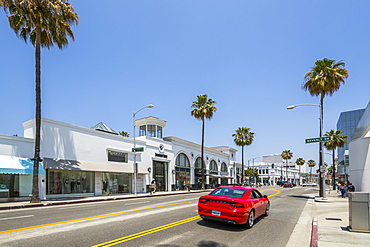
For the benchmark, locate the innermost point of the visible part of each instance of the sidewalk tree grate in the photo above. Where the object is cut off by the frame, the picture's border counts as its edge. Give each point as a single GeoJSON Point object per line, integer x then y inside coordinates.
{"type": "Point", "coordinates": [333, 219]}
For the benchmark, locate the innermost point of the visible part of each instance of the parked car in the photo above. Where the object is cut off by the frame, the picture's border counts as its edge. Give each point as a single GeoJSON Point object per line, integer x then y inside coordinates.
{"type": "Point", "coordinates": [288, 185]}
{"type": "Point", "coordinates": [309, 184]}
{"type": "Point", "coordinates": [234, 205]}
{"type": "Point", "coordinates": [281, 182]}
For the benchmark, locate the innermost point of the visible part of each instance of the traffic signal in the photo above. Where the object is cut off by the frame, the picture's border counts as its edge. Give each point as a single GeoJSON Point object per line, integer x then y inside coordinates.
{"type": "Point", "coordinates": [273, 165]}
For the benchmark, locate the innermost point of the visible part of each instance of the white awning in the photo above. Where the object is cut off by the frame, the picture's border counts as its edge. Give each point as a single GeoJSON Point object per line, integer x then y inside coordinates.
{"type": "Point", "coordinates": [18, 165]}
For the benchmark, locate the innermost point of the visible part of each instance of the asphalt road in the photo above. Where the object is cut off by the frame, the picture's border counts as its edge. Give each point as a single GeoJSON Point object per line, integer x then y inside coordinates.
{"type": "Point", "coordinates": [154, 221]}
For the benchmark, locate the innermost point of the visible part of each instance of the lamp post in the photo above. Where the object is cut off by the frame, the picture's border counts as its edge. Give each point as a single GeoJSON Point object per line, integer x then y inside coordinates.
{"type": "Point", "coordinates": [135, 166]}
{"type": "Point", "coordinates": [254, 178]}
{"type": "Point", "coordinates": [321, 153]}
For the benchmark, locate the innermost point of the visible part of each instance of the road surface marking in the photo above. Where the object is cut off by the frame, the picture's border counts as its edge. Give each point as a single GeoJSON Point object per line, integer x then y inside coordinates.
{"type": "Point", "coordinates": [278, 192]}
{"type": "Point", "coordinates": [147, 232]}
{"type": "Point", "coordinates": [90, 218]}
{"type": "Point", "coordinates": [18, 217]}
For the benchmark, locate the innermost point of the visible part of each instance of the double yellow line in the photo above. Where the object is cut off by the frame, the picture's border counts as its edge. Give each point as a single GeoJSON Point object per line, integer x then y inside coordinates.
{"type": "Point", "coordinates": [159, 228]}
{"type": "Point", "coordinates": [147, 232]}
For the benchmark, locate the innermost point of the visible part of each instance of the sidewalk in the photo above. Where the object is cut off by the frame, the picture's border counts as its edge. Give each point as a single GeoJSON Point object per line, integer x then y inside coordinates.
{"type": "Point", "coordinates": [73, 200]}
{"type": "Point", "coordinates": [325, 223]}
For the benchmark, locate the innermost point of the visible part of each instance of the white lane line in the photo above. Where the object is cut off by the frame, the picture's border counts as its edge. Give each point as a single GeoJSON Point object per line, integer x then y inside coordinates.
{"type": "Point", "coordinates": [136, 203]}
{"type": "Point", "coordinates": [18, 217]}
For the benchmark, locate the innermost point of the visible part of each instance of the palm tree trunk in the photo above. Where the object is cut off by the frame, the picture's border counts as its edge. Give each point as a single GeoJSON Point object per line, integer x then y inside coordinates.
{"type": "Point", "coordinates": [35, 198]}
{"type": "Point", "coordinates": [202, 153]}
{"type": "Point", "coordinates": [242, 164]}
{"type": "Point", "coordinates": [334, 169]}
{"type": "Point", "coordinates": [286, 170]}
{"type": "Point", "coordinates": [321, 161]}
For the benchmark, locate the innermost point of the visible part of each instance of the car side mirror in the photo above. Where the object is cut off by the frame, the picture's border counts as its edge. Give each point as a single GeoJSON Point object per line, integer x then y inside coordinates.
{"type": "Point", "coordinates": [264, 196]}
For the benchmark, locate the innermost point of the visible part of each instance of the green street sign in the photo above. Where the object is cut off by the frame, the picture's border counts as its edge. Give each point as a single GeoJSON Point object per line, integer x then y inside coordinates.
{"type": "Point", "coordinates": [318, 139]}
{"type": "Point", "coordinates": [141, 149]}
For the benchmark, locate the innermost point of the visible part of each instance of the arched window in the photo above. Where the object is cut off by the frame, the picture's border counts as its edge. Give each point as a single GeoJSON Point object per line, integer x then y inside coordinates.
{"type": "Point", "coordinates": [182, 160]}
{"type": "Point", "coordinates": [223, 167]}
{"type": "Point", "coordinates": [198, 163]}
{"type": "Point", "coordinates": [213, 167]}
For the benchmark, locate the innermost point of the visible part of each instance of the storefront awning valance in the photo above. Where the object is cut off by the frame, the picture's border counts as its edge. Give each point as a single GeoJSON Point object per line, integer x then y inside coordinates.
{"type": "Point", "coordinates": [59, 164]}
{"type": "Point", "coordinates": [18, 165]}
{"type": "Point", "coordinates": [214, 176]}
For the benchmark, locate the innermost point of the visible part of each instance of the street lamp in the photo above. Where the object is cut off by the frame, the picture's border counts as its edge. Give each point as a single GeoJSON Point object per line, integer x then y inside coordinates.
{"type": "Point", "coordinates": [321, 154]}
{"type": "Point", "coordinates": [135, 166]}
{"type": "Point", "coordinates": [254, 179]}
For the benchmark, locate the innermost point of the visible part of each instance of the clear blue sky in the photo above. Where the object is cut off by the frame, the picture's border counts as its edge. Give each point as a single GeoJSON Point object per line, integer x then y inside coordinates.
{"type": "Point", "coordinates": [249, 56]}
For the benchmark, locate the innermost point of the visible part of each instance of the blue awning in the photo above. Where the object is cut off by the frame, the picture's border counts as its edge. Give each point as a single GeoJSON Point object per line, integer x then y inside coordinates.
{"type": "Point", "coordinates": [18, 165]}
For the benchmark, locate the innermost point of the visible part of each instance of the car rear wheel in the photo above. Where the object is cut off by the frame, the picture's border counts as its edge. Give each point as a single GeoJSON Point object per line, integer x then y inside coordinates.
{"type": "Point", "coordinates": [267, 211]}
{"type": "Point", "coordinates": [250, 221]}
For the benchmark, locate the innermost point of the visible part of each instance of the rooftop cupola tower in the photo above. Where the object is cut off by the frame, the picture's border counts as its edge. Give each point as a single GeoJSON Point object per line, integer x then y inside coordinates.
{"type": "Point", "coordinates": [150, 126]}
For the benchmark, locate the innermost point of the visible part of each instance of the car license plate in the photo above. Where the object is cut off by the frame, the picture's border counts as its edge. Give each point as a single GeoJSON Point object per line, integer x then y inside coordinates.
{"type": "Point", "coordinates": [215, 212]}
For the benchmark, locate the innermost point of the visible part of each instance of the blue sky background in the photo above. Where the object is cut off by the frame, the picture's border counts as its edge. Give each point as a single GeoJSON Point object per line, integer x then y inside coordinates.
{"type": "Point", "coordinates": [249, 56]}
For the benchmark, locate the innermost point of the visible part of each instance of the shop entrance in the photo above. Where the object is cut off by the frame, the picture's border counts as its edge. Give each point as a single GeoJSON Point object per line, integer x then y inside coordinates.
{"type": "Point", "coordinates": [160, 171]}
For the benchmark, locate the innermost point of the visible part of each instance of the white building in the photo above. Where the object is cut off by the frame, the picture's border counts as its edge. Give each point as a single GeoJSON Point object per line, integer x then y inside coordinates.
{"type": "Point", "coordinates": [359, 154]}
{"type": "Point", "coordinates": [97, 161]}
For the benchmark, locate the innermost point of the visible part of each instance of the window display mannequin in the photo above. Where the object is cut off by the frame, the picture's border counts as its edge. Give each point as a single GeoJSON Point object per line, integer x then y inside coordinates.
{"type": "Point", "coordinates": [78, 184]}
{"type": "Point", "coordinates": [66, 185]}
{"type": "Point", "coordinates": [73, 184]}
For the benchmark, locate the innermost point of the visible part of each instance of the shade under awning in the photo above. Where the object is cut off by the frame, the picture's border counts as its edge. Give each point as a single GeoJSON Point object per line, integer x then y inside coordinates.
{"type": "Point", "coordinates": [18, 165]}
{"type": "Point", "coordinates": [91, 166]}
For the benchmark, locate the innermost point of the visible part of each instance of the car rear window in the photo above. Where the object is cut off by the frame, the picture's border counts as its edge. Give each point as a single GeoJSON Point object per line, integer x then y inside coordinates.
{"type": "Point", "coordinates": [229, 192]}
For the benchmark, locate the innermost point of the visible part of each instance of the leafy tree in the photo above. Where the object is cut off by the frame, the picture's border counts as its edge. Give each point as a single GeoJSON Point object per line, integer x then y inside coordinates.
{"type": "Point", "coordinates": [252, 172]}
{"type": "Point", "coordinates": [44, 23]}
{"type": "Point", "coordinates": [243, 137]}
{"type": "Point", "coordinates": [337, 140]}
{"type": "Point", "coordinates": [286, 155]}
{"type": "Point", "coordinates": [124, 133]}
{"type": "Point", "coordinates": [204, 108]}
{"type": "Point", "coordinates": [300, 162]}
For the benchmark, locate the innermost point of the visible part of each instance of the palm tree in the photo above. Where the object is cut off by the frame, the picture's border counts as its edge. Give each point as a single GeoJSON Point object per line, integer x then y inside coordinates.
{"type": "Point", "coordinates": [325, 78]}
{"type": "Point", "coordinates": [203, 108]}
{"type": "Point", "coordinates": [300, 162]}
{"type": "Point", "coordinates": [243, 137]}
{"type": "Point", "coordinates": [124, 133]}
{"type": "Point", "coordinates": [44, 23]}
{"type": "Point", "coordinates": [311, 163]}
{"type": "Point", "coordinates": [337, 140]}
{"type": "Point", "coordinates": [286, 155]}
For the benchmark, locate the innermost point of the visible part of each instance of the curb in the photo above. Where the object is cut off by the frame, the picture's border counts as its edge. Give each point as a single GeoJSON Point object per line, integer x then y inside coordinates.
{"type": "Point", "coordinates": [314, 233]}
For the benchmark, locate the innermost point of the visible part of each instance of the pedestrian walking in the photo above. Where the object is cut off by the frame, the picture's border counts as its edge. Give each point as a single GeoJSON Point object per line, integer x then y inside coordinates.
{"type": "Point", "coordinates": [343, 189]}
{"type": "Point", "coordinates": [153, 185]}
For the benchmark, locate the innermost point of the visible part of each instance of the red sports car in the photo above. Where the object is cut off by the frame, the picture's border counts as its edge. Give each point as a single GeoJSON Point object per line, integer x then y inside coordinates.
{"type": "Point", "coordinates": [234, 205]}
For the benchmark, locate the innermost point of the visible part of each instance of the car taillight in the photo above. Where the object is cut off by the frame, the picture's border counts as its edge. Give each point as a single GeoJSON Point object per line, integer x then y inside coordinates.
{"type": "Point", "coordinates": [202, 200]}
{"type": "Point", "coordinates": [237, 205]}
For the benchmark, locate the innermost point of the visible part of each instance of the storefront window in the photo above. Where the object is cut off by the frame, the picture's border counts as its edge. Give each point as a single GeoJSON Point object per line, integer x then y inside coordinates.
{"type": "Point", "coordinates": [15, 185]}
{"type": "Point", "coordinates": [69, 182]}
{"type": "Point", "coordinates": [116, 183]}
{"type": "Point", "coordinates": [182, 175]}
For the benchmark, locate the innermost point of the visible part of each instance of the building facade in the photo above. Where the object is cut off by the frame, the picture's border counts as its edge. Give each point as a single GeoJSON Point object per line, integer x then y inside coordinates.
{"type": "Point", "coordinates": [359, 153]}
{"type": "Point", "coordinates": [347, 123]}
{"type": "Point", "coordinates": [97, 161]}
